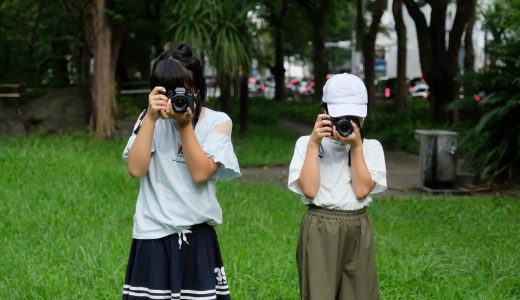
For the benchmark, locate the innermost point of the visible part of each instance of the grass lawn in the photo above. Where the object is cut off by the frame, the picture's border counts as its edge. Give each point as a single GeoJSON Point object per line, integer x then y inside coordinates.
{"type": "Point", "coordinates": [66, 219]}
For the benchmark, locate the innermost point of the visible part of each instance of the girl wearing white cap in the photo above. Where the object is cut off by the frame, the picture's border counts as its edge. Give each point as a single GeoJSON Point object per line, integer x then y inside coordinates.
{"type": "Point", "coordinates": [335, 170]}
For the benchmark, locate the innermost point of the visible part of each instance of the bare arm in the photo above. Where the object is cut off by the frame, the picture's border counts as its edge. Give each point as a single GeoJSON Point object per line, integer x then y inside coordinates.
{"type": "Point", "coordinates": [309, 179]}
{"type": "Point", "coordinates": [362, 182]}
{"type": "Point", "coordinates": [200, 166]}
{"type": "Point", "coordinates": [139, 155]}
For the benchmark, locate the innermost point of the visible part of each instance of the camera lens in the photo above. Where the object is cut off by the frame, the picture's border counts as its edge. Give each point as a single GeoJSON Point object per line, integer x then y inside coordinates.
{"type": "Point", "coordinates": [180, 103]}
{"type": "Point", "coordinates": [344, 127]}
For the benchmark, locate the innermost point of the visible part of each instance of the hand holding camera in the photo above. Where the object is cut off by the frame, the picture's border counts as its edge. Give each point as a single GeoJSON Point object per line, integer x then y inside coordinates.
{"type": "Point", "coordinates": [157, 103]}
{"type": "Point", "coordinates": [181, 105]}
{"type": "Point", "coordinates": [322, 128]}
{"type": "Point", "coordinates": [346, 129]}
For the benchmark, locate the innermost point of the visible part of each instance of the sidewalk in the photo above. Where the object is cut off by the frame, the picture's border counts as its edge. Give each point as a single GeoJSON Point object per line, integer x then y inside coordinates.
{"type": "Point", "coordinates": [402, 174]}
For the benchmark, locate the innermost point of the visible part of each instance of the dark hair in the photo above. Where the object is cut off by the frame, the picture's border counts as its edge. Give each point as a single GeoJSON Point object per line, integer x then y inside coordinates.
{"type": "Point", "coordinates": [178, 67]}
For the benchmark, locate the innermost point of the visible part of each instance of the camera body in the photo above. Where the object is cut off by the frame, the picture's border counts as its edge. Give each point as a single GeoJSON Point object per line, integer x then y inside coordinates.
{"type": "Point", "coordinates": [343, 125]}
{"type": "Point", "coordinates": [180, 99]}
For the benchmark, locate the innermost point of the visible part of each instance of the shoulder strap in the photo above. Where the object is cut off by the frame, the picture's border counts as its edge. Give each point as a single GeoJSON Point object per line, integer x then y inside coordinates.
{"type": "Point", "coordinates": [137, 125]}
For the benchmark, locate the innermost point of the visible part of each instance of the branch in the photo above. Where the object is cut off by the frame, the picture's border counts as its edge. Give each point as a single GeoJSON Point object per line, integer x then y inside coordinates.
{"type": "Point", "coordinates": [75, 14]}
{"type": "Point", "coordinates": [462, 16]}
{"type": "Point", "coordinates": [423, 36]}
{"type": "Point", "coordinates": [377, 13]}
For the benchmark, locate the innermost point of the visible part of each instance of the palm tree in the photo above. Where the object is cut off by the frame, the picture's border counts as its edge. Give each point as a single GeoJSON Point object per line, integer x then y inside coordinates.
{"type": "Point", "coordinates": [222, 29]}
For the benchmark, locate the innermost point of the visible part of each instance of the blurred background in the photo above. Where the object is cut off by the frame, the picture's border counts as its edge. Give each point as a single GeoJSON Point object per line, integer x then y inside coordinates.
{"type": "Point", "coordinates": [76, 64]}
{"type": "Point", "coordinates": [74, 76]}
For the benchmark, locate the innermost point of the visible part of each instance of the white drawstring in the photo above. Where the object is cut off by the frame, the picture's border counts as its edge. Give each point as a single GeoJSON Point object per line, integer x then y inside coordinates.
{"type": "Point", "coordinates": [182, 236]}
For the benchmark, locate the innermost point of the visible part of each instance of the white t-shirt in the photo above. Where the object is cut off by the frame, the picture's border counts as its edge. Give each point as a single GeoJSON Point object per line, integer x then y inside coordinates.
{"type": "Point", "coordinates": [335, 191]}
{"type": "Point", "coordinates": [169, 201]}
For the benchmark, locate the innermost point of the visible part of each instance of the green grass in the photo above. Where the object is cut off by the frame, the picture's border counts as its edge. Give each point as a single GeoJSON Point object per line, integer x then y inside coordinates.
{"type": "Point", "coordinates": [65, 232]}
{"type": "Point", "coordinates": [265, 145]}
{"type": "Point", "coordinates": [267, 142]}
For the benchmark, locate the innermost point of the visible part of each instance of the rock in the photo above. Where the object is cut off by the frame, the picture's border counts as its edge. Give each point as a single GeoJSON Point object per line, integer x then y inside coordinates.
{"type": "Point", "coordinates": [11, 124]}
{"type": "Point", "coordinates": [124, 127]}
{"type": "Point", "coordinates": [62, 110]}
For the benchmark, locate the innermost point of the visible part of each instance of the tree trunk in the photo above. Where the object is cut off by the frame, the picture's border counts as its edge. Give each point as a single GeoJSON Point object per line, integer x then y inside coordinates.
{"type": "Point", "coordinates": [360, 24]}
{"type": "Point", "coordinates": [369, 42]}
{"type": "Point", "coordinates": [223, 81]}
{"type": "Point", "coordinates": [469, 58]}
{"type": "Point", "coordinates": [277, 19]}
{"type": "Point", "coordinates": [400, 29]}
{"type": "Point", "coordinates": [279, 70]}
{"type": "Point", "coordinates": [106, 50]}
{"type": "Point", "coordinates": [320, 60]}
{"type": "Point", "coordinates": [369, 72]}
{"type": "Point", "coordinates": [317, 12]}
{"type": "Point", "coordinates": [439, 63]}
{"type": "Point", "coordinates": [244, 104]}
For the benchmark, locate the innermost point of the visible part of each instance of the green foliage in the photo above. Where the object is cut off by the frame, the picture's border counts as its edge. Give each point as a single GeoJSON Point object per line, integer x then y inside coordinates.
{"type": "Point", "coordinates": [221, 27]}
{"type": "Point", "coordinates": [67, 206]}
{"type": "Point", "coordinates": [34, 44]}
{"type": "Point", "coordinates": [395, 130]}
{"type": "Point", "coordinates": [191, 22]}
{"type": "Point", "coordinates": [498, 130]}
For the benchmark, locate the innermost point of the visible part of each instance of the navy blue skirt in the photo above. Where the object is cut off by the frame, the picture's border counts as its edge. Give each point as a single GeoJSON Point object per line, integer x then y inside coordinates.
{"type": "Point", "coordinates": [179, 266]}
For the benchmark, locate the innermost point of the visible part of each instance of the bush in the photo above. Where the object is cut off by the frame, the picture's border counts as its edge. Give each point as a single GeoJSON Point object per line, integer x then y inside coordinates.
{"type": "Point", "coordinates": [496, 137]}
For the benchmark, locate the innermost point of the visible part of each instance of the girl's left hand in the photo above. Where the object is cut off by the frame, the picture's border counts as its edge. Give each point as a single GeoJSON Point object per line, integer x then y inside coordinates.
{"type": "Point", "coordinates": [182, 119]}
{"type": "Point", "coordinates": [354, 139]}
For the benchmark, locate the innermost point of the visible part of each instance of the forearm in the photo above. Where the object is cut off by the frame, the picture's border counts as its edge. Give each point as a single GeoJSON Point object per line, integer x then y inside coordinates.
{"type": "Point", "coordinates": [139, 155]}
{"type": "Point", "coordinates": [200, 166]}
{"type": "Point", "coordinates": [310, 174]}
{"type": "Point", "coordinates": [362, 182]}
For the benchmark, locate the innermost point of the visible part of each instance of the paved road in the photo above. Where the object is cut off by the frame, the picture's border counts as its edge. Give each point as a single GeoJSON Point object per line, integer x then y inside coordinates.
{"type": "Point", "coordinates": [402, 174]}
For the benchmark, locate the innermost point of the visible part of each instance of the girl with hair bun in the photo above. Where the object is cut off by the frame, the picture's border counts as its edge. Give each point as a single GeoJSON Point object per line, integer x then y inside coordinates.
{"type": "Point", "coordinates": [178, 149]}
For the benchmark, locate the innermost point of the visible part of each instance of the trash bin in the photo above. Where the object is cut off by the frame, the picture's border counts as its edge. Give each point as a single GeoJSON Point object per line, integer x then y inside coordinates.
{"type": "Point", "coordinates": [437, 158]}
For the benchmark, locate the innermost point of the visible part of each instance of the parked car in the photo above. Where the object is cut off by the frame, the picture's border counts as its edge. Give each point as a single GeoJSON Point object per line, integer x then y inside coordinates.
{"type": "Point", "coordinates": [291, 87]}
{"type": "Point", "coordinates": [385, 88]}
{"type": "Point", "coordinates": [419, 88]}
{"type": "Point", "coordinates": [306, 88]}
{"type": "Point", "coordinates": [255, 86]}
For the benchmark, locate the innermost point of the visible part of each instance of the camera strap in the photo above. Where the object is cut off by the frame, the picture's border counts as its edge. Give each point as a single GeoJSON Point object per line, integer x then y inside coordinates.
{"type": "Point", "coordinates": [137, 125]}
{"type": "Point", "coordinates": [325, 107]}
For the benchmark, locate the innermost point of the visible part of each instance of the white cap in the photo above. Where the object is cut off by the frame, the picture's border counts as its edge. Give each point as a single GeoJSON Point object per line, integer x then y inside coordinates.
{"type": "Point", "coordinates": [345, 95]}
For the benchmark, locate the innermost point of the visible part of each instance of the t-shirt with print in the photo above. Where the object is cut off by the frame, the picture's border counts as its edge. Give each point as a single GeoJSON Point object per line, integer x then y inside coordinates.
{"type": "Point", "coordinates": [335, 191]}
{"type": "Point", "coordinates": [168, 200]}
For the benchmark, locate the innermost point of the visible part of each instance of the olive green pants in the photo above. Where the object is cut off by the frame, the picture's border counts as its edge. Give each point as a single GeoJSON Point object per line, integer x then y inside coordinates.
{"type": "Point", "coordinates": [336, 256]}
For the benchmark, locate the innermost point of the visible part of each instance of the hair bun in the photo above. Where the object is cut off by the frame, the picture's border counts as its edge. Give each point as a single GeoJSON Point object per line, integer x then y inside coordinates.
{"type": "Point", "coordinates": [185, 50]}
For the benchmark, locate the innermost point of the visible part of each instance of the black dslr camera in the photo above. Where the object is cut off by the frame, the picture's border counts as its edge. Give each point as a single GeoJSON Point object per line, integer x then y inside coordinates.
{"type": "Point", "coordinates": [180, 99]}
{"type": "Point", "coordinates": [343, 125]}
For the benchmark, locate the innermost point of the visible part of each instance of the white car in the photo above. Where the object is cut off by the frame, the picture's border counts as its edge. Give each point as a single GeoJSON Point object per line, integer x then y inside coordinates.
{"type": "Point", "coordinates": [420, 89]}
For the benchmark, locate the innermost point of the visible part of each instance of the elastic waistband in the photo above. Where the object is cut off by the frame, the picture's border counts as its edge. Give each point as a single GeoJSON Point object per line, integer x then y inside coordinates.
{"type": "Point", "coordinates": [200, 226]}
{"type": "Point", "coordinates": [334, 212]}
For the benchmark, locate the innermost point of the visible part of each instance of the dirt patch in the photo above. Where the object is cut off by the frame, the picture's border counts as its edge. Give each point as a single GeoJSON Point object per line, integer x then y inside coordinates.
{"type": "Point", "coordinates": [276, 175]}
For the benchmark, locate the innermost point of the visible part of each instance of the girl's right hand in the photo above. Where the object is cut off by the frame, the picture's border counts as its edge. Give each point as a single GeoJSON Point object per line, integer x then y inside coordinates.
{"type": "Point", "coordinates": [322, 128]}
{"type": "Point", "coordinates": [157, 103]}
